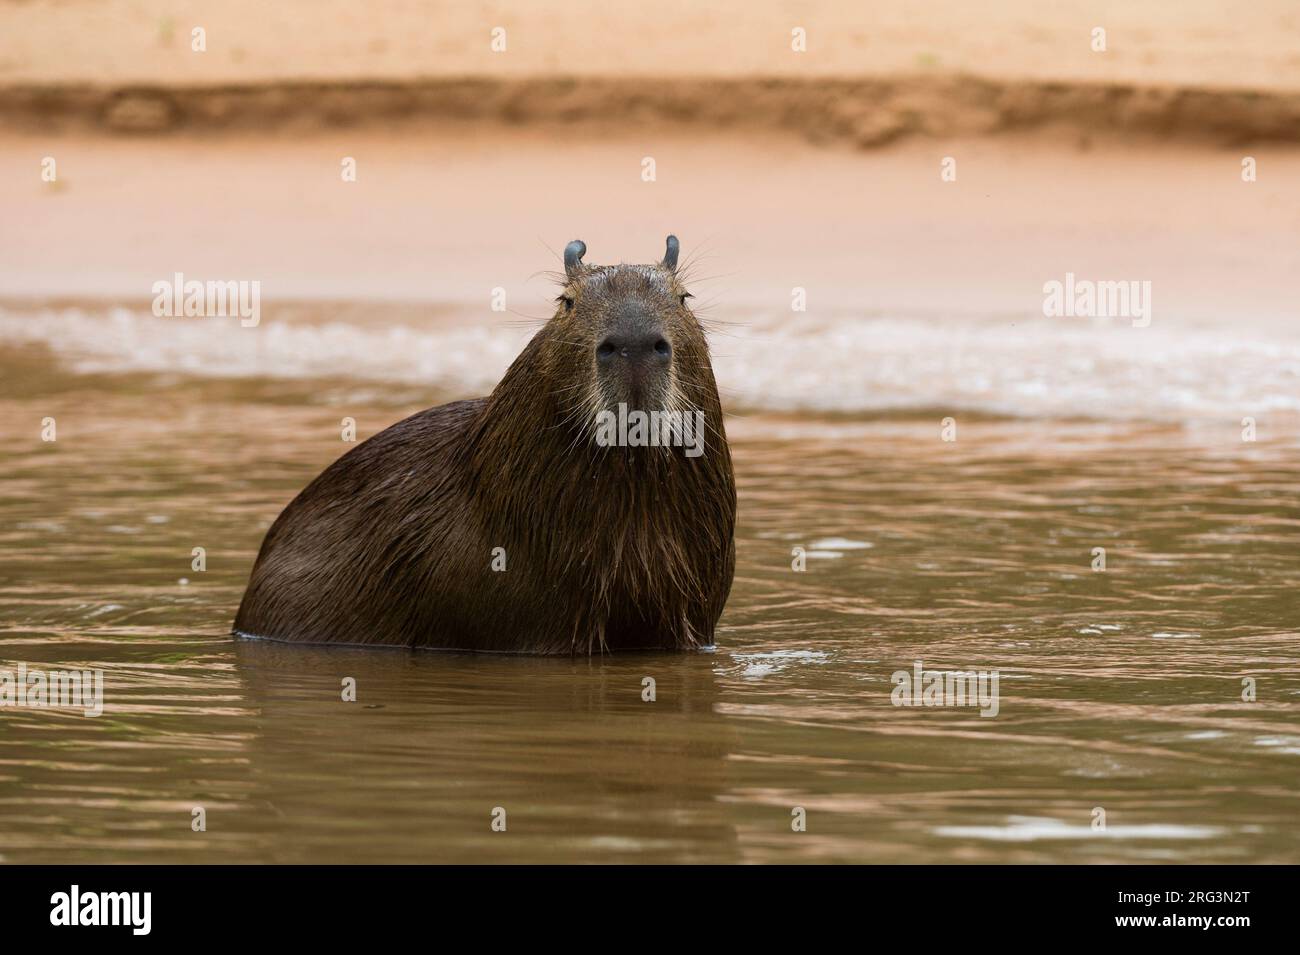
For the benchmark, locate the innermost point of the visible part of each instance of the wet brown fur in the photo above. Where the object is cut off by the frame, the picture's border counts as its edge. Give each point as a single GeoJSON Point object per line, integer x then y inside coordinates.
{"type": "Point", "coordinates": [607, 548]}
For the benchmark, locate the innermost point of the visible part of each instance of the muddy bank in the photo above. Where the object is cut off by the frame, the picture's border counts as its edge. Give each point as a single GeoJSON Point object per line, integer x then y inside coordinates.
{"type": "Point", "coordinates": [863, 112]}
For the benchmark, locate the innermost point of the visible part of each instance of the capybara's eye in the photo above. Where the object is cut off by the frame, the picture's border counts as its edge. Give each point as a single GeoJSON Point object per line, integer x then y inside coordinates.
{"type": "Point", "coordinates": [568, 303]}
{"type": "Point", "coordinates": [606, 349]}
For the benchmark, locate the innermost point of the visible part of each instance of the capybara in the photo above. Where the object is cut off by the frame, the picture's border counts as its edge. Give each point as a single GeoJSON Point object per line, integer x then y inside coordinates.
{"type": "Point", "coordinates": [547, 517]}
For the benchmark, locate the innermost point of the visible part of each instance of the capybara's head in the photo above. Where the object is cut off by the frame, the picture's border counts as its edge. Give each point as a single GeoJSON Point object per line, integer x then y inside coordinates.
{"type": "Point", "coordinates": [623, 335]}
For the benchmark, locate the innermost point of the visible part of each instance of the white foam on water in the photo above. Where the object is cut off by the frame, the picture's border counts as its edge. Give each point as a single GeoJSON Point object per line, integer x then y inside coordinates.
{"type": "Point", "coordinates": [1033, 828]}
{"type": "Point", "coordinates": [1028, 367]}
{"type": "Point", "coordinates": [774, 661]}
{"type": "Point", "coordinates": [1290, 745]}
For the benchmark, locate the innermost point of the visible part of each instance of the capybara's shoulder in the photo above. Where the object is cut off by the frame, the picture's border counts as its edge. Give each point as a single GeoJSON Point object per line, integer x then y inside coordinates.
{"type": "Point", "coordinates": [373, 486]}
{"type": "Point", "coordinates": [422, 432]}
{"type": "Point", "coordinates": [420, 447]}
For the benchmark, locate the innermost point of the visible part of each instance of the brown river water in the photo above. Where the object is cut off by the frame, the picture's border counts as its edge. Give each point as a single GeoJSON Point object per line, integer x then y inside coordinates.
{"type": "Point", "coordinates": [1120, 690]}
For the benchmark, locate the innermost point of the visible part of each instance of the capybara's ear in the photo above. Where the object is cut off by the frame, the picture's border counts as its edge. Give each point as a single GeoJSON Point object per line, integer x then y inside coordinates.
{"type": "Point", "coordinates": [670, 254]}
{"type": "Point", "coordinates": [573, 253]}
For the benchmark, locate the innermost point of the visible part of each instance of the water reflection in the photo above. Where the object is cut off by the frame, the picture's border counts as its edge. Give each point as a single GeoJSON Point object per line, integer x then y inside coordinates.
{"type": "Point", "coordinates": [435, 741]}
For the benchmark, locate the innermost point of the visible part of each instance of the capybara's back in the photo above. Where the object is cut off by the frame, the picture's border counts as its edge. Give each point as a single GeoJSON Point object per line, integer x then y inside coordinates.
{"type": "Point", "coordinates": [339, 563]}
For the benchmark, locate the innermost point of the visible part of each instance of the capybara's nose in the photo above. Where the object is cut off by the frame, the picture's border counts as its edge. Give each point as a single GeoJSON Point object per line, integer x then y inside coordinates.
{"type": "Point", "coordinates": [635, 346]}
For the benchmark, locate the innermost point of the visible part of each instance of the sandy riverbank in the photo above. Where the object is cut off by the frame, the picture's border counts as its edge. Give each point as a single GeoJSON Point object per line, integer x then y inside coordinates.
{"type": "Point", "coordinates": [869, 74]}
{"type": "Point", "coordinates": [1158, 42]}
{"type": "Point", "coordinates": [447, 214]}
